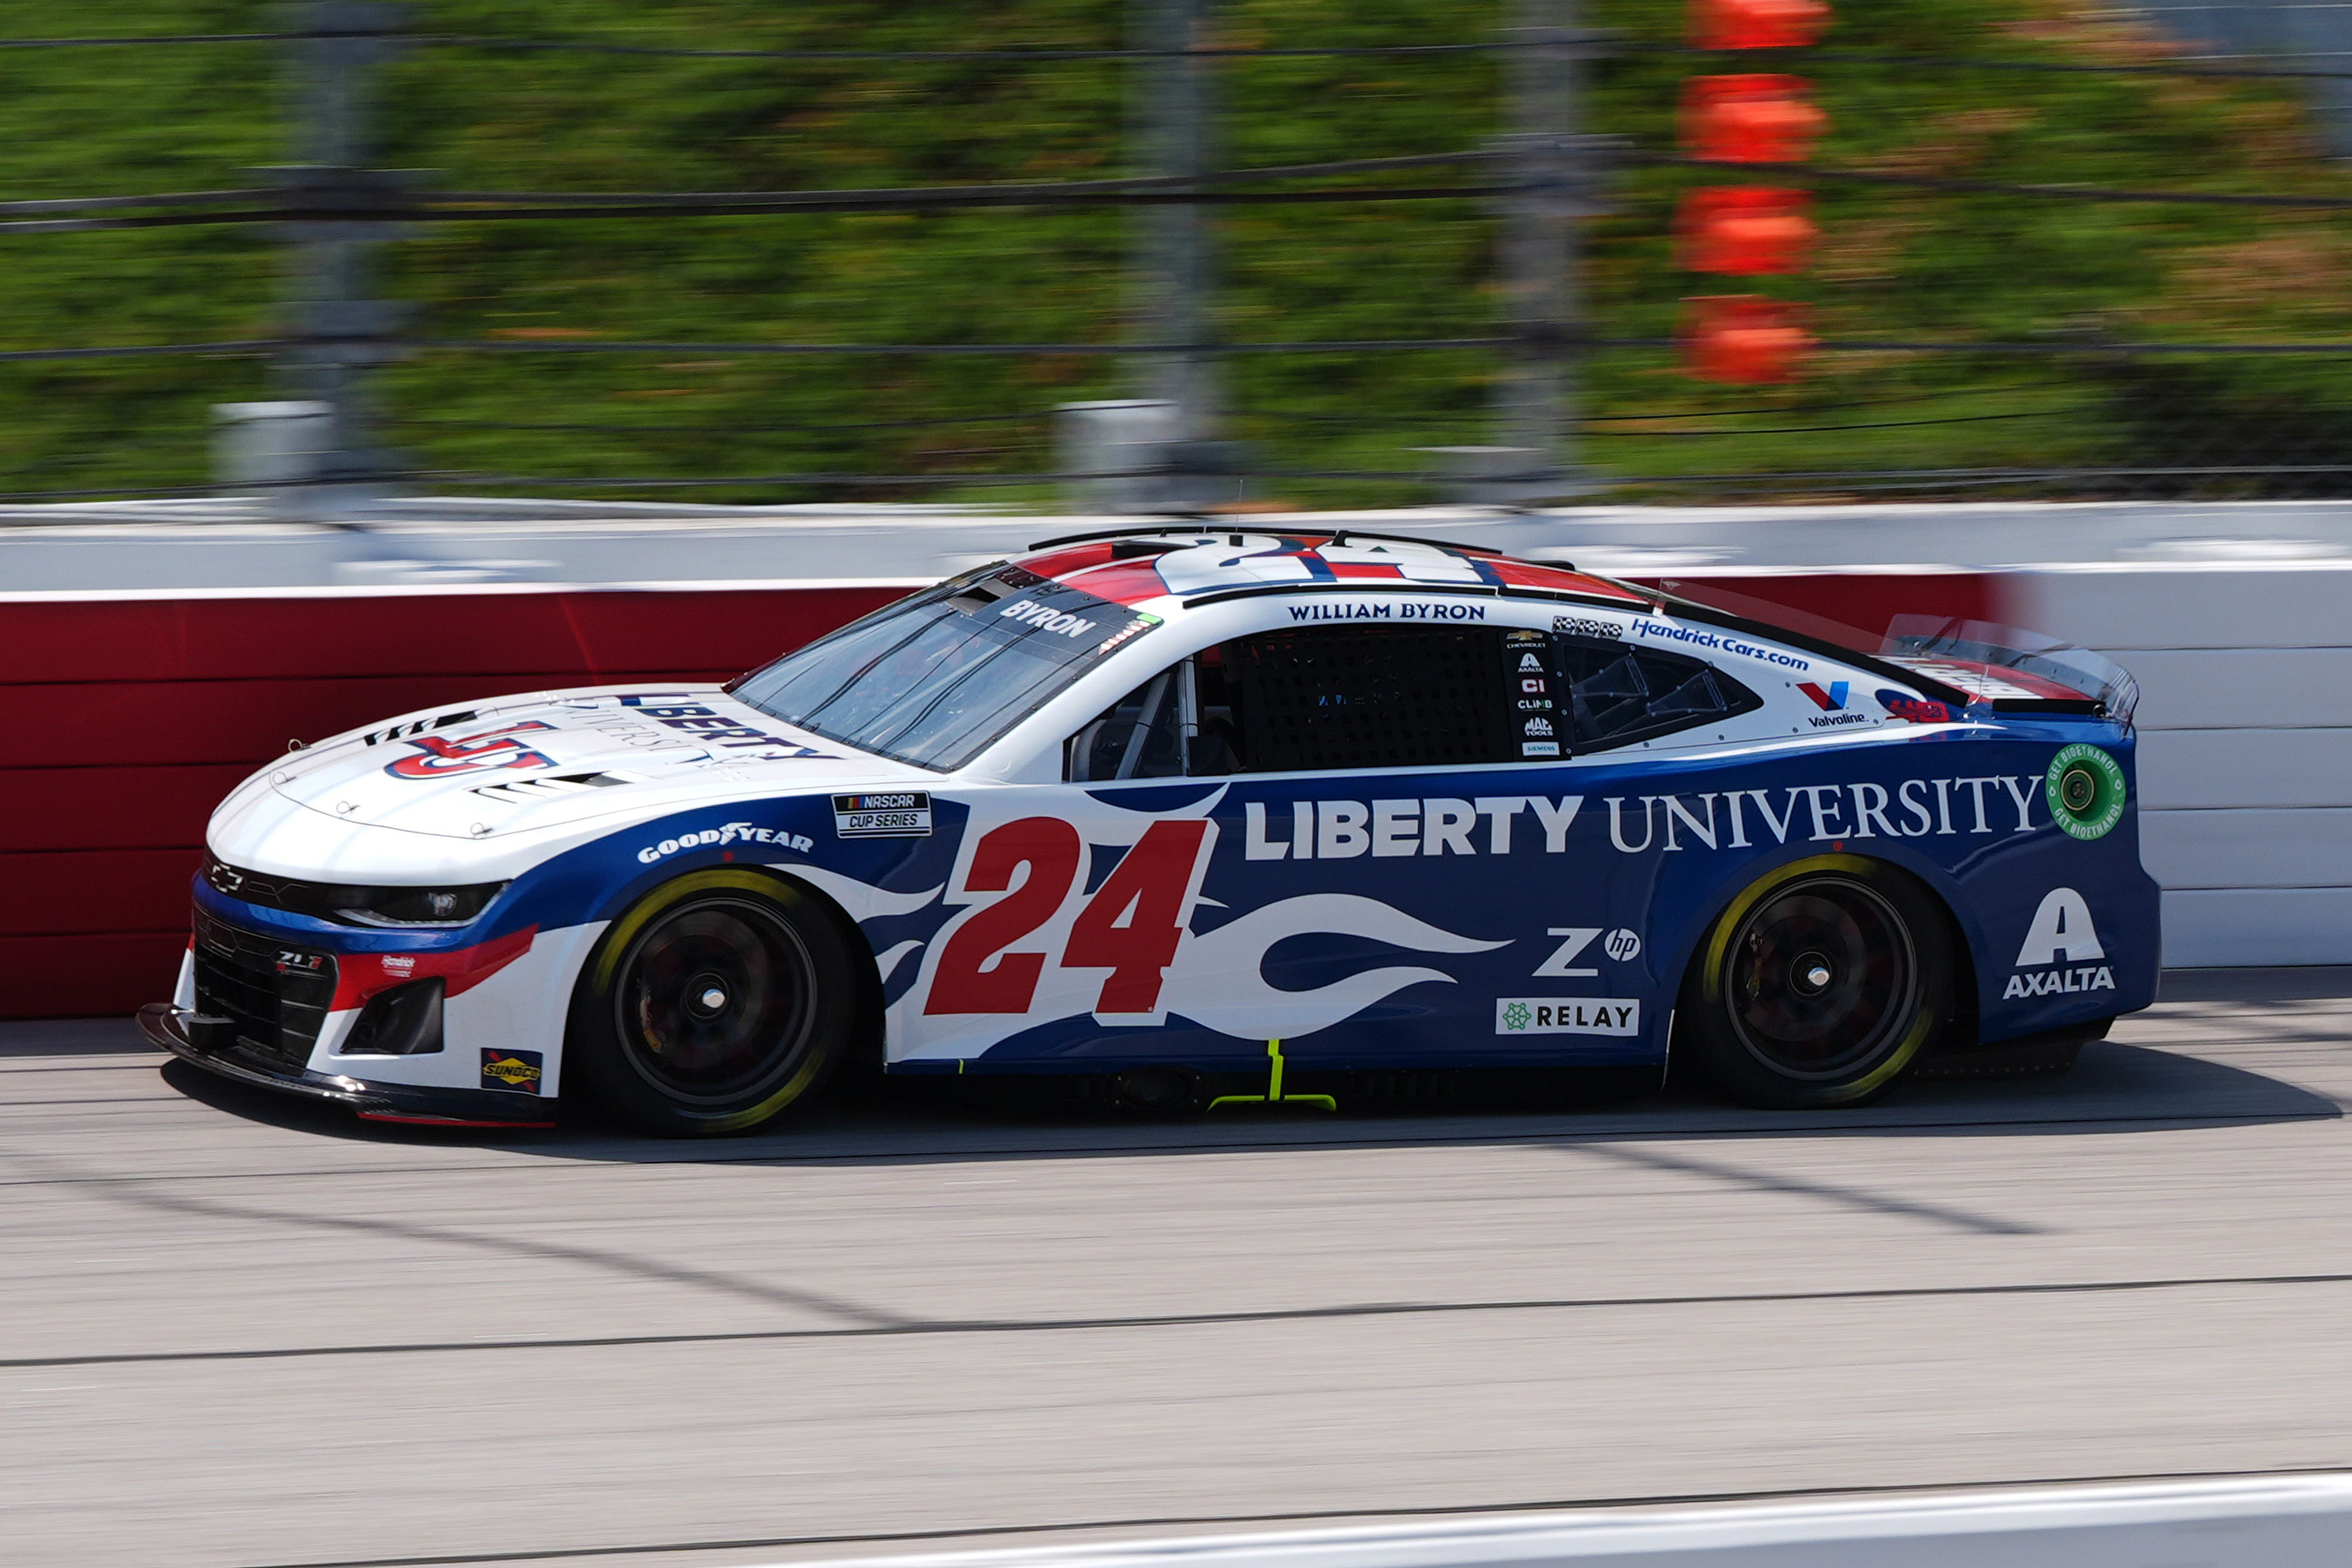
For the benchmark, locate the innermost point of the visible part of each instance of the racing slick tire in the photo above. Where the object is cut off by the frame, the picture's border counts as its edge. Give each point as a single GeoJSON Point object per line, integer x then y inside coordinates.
{"type": "Point", "coordinates": [717, 1000]}
{"type": "Point", "coordinates": [1819, 986]}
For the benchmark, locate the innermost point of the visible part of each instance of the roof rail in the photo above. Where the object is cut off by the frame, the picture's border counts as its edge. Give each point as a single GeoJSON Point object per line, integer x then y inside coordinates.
{"type": "Point", "coordinates": [1337, 535]}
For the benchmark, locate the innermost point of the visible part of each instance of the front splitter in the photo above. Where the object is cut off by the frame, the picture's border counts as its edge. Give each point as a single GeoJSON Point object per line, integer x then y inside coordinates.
{"type": "Point", "coordinates": [165, 1025]}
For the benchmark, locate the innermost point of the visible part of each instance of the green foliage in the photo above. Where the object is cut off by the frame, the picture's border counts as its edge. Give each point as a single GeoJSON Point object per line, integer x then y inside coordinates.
{"type": "Point", "coordinates": [1896, 265]}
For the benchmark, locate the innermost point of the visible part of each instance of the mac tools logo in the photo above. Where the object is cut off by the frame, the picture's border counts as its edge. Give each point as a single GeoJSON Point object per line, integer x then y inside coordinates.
{"type": "Point", "coordinates": [1831, 700]}
{"type": "Point", "coordinates": [2062, 928]}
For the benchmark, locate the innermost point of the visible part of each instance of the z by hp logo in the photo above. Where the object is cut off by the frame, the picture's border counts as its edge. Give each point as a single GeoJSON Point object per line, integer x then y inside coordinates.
{"type": "Point", "coordinates": [1829, 701]}
{"type": "Point", "coordinates": [1619, 945]}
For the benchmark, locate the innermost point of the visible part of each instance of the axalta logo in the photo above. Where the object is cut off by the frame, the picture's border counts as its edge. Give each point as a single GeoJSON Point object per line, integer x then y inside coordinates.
{"type": "Point", "coordinates": [2062, 928]}
{"type": "Point", "coordinates": [732, 834]}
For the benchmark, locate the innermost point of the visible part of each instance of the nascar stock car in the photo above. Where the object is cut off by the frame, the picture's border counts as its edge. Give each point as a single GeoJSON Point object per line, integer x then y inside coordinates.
{"type": "Point", "coordinates": [1176, 812]}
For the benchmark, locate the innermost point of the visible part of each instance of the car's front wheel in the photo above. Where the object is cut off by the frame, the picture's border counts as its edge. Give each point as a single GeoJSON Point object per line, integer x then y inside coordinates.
{"type": "Point", "coordinates": [1819, 986]}
{"type": "Point", "coordinates": [714, 1003]}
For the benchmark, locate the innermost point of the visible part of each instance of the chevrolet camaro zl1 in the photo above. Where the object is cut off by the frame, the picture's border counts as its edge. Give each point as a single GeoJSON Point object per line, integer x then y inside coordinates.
{"type": "Point", "coordinates": [1175, 812]}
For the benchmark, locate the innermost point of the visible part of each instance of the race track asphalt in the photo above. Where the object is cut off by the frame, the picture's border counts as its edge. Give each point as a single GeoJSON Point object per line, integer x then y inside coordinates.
{"type": "Point", "coordinates": [238, 1332]}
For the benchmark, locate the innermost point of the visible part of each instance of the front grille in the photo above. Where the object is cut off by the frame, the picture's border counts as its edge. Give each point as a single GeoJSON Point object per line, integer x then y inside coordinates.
{"type": "Point", "coordinates": [276, 994]}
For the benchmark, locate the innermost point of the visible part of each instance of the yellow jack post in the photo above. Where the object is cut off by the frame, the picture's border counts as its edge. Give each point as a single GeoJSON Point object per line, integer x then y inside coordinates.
{"type": "Point", "coordinates": [1273, 1094]}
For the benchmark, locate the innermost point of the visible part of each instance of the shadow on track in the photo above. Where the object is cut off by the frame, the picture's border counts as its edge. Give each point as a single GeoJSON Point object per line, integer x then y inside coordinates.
{"type": "Point", "coordinates": [2115, 1088]}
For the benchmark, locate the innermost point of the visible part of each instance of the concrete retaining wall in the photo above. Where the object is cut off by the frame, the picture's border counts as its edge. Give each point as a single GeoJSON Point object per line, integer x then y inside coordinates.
{"type": "Point", "coordinates": [149, 663]}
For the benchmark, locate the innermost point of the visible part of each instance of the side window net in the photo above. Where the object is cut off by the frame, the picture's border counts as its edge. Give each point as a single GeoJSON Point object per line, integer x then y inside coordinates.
{"type": "Point", "coordinates": [1370, 696]}
{"type": "Point", "coordinates": [1618, 695]}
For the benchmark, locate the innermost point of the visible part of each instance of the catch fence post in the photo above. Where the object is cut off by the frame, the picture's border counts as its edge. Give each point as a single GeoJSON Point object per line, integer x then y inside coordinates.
{"type": "Point", "coordinates": [1175, 135]}
{"type": "Point", "coordinates": [338, 332]}
{"type": "Point", "coordinates": [1551, 173]}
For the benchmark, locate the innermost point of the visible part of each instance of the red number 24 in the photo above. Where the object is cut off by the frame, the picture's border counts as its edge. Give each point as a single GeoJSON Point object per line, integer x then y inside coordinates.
{"type": "Point", "coordinates": [1131, 924]}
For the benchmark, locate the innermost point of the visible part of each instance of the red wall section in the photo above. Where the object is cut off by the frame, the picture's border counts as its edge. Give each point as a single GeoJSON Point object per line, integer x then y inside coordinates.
{"type": "Point", "coordinates": [129, 720]}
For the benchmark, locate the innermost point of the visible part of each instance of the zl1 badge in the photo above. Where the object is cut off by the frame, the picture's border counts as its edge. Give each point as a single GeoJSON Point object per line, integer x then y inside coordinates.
{"type": "Point", "coordinates": [518, 1071]}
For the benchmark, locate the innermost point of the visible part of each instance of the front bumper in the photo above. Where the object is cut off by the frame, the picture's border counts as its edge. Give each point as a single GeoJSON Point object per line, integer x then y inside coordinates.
{"type": "Point", "coordinates": [163, 1023]}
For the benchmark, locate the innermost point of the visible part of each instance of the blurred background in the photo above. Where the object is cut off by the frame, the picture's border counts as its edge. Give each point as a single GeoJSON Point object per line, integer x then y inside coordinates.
{"type": "Point", "coordinates": [359, 358]}
{"type": "Point", "coordinates": [1976, 333]}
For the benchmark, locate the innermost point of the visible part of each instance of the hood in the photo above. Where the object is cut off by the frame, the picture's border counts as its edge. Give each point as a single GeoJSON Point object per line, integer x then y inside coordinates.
{"type": "Point", "coordinates": [554, 759]}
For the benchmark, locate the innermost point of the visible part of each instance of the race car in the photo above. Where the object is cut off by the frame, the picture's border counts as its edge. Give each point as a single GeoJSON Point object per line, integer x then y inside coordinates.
{"type": "Point", "coordinates": [1192, 816]}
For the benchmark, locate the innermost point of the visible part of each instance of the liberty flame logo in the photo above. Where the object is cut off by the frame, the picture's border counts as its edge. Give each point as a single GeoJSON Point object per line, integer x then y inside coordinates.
{"type": "Point", "coordinates": [437, 754]}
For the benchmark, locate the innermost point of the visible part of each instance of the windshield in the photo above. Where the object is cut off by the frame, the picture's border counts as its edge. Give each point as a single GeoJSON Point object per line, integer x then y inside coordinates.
{"type": "Point", "coordinates": [935, 679]}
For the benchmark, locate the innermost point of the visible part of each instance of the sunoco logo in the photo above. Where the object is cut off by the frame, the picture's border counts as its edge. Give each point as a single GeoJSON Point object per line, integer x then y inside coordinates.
{"type": "Point", "coordinates": [515, 1071]}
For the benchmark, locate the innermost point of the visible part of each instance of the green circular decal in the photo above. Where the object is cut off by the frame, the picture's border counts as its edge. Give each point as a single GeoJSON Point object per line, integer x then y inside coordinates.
{"type": "Point", "coordinates": [2086, 791]}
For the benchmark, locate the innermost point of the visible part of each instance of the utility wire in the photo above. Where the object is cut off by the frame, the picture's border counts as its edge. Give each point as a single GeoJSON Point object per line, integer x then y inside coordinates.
{"type": "Point", "coordinates": [1818, 429]}
{"type": "Point", "coordinates": [1995, 187]}
{"type": "Point", "coordinates": [1009, 56]}
{"type": "Point", "coordinates": [729, 429]}
{"type": "Point", "coordinates": [1366, 345]}
{"type": "Point", "coordinates": [239, 345]}
{"type": "Point", "coordinates": [2195, 66]}
{"type": "Point", "coordinates": [1306, 346]}
{"type": "Point", "coordinates": [466, 206]}
{"type": "Point", "coordinates": [2223, 66]}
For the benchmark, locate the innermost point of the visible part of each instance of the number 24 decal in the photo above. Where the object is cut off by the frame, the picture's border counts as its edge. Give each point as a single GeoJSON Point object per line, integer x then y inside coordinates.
{"type": "Point", "coordinates": [1131, 925]}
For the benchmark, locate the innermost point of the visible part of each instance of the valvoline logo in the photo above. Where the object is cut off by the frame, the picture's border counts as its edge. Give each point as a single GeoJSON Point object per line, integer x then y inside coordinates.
{"type": "Point", "coordinates": [1828, 700]}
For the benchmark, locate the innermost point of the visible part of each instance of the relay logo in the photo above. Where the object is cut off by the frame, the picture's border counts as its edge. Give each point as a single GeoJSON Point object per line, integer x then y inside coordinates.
{"type": "Point", "coordinates": [1830, 700]}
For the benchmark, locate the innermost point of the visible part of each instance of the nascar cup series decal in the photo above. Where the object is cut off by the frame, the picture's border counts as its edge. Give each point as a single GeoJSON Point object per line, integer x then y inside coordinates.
{"type": "Point", "coordinates": [886, 815]}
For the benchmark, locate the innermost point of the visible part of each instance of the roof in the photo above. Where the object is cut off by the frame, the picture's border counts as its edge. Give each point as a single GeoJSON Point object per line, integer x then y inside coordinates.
{"type": "Point", "coordinates": [1130, 568]}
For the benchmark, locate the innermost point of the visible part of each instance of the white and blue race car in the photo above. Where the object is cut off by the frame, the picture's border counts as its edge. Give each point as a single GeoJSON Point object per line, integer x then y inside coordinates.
{"type": "Point", "coordinates": [1172, 814]}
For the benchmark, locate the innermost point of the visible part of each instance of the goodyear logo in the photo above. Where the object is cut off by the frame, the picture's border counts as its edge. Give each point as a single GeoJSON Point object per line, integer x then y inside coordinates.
{"type": "Point", "coordinates": [518, 1071]}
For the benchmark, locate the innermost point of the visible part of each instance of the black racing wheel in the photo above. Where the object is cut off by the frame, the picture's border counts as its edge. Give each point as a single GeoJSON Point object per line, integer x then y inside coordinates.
{"type": "Point", "coordinates": [1819, 986]}
{"type": "Point", "coordinates": [717, 1001]}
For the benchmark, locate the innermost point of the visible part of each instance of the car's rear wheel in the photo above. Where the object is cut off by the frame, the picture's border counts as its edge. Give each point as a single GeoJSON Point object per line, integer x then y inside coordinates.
{"type": "Point", "coordinates": [1819, 986]}
{"type": "Point", "coordinates": [713, 1003]}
